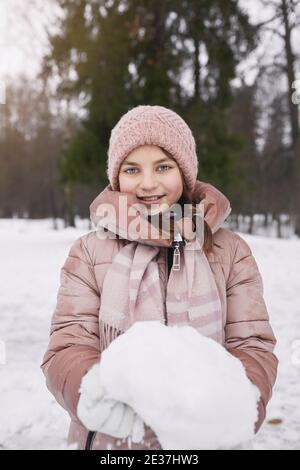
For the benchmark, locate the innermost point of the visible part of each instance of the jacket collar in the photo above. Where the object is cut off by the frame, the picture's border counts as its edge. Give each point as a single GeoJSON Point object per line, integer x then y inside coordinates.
{"type": "Point", "coordinates": [215, 205]}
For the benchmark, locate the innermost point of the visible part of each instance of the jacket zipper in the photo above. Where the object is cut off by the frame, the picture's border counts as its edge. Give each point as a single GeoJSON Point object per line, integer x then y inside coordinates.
{"type": "Point", "coordinates": [166, 283]}
{"type": "Point", "coordinates": [175, 266]}
{"type": "Point", "coordinates": [176, 255]}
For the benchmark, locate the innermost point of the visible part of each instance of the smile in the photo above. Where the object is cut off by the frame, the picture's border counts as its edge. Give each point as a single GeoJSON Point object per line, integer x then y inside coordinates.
{"type": "Point", "coordinates": [151, 198]}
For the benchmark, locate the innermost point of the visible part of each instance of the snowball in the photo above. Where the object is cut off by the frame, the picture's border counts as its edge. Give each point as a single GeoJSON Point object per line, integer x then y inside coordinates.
{"type": "Point", "coordinates": [188, 388]}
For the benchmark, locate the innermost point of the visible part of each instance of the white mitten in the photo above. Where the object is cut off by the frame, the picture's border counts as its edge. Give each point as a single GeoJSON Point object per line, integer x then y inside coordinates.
{"type": "Point", "coordinates": [102, 414]}
{"type": "Point", "coordinates": [120, 422]}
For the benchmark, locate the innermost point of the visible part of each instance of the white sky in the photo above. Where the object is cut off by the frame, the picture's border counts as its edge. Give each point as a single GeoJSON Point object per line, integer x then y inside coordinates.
{"type": "Point", "coordinates": [23, 39]}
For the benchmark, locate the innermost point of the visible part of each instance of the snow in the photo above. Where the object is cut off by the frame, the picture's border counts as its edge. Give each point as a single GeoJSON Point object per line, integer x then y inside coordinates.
{"type": "Point", "coordinates": [185, 386]}
{"type": "Point", "coordinates": [32, 254]}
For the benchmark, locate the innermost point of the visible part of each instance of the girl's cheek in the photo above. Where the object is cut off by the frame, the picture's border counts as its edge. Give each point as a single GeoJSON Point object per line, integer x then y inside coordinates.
{"type": "Point", "coordinates": [126, 185]}
{"type": "Point", "coordinates": [173, 184]}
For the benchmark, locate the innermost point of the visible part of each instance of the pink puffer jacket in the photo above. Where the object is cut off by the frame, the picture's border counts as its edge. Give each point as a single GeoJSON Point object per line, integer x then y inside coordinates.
{"type": "Point", "coordinates": [74, 338]}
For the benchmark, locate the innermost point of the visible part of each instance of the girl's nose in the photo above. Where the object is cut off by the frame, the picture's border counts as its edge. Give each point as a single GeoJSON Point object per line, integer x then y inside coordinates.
{"type": "Point", "coordinates": [149, 182]}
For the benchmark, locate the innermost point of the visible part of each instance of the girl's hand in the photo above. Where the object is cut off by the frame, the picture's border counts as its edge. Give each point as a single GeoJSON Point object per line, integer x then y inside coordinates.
{"type": "Point", "coordinates": [120, 421]}
{"type": "Point", "coordinates": [102, 414]}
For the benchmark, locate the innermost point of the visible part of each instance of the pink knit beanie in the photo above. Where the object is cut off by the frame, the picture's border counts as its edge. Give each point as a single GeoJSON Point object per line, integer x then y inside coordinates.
{"type": "Point", "coordinates": [152, 125]}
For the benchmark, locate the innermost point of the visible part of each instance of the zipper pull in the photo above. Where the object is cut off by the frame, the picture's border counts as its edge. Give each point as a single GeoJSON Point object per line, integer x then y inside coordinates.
{"type": "Point", "coordinates": [176, 254]}
{"type": "Point", "coordinates": [176, 258]}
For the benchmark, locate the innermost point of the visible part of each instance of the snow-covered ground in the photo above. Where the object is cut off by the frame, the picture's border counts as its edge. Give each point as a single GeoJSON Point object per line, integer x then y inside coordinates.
{"type": "Point", "coordinates": [31, 255]}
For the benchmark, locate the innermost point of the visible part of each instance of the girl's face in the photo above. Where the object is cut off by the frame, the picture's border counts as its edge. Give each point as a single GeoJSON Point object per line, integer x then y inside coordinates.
{"type": "Point", "coordinates": [149, 171]}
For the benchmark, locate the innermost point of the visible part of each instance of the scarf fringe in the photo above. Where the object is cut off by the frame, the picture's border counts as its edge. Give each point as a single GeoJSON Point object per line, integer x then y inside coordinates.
{"type": "Point", "coordinates": [107, 334]}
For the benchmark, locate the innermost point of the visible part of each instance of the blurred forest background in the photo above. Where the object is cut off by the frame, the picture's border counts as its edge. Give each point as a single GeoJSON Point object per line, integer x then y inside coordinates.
{"type": "Point", "coordinates": [234, 80]}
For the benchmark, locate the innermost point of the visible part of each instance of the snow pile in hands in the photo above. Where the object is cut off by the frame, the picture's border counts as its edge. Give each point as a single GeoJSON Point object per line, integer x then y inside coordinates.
{"type": "Point", "coordinates": [191, 391]}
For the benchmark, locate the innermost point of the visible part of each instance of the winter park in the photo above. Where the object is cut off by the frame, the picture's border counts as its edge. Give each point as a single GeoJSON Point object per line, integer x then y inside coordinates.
{"type": "Point", "coordinates": [149, 225]}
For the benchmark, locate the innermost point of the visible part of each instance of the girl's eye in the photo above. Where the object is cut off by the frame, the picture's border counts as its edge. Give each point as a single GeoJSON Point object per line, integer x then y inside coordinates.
{"type": "Point", "coordinates": [165, 166]}
{"type": "Point", "coordinates": [130, 171]}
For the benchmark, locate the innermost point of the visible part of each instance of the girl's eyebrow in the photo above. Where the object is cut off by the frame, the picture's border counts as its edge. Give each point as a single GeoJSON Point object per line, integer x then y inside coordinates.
{"type": "Point", "coordinates": [166, 159]}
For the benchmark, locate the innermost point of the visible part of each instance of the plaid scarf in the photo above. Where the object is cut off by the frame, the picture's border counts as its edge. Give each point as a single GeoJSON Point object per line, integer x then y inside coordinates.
{"type": "Point", "coordinates": [131, 289]}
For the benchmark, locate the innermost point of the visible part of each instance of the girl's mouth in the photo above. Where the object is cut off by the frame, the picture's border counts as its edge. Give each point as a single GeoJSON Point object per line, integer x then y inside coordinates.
{"type": "Point", "coordinates": [151, 200]}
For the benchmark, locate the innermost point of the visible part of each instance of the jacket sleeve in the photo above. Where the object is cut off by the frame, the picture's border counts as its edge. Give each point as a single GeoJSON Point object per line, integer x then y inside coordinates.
{"type": "Point", "coordinates": [74, 338]}
{"type": "Point", "coordinates": [248, 333]}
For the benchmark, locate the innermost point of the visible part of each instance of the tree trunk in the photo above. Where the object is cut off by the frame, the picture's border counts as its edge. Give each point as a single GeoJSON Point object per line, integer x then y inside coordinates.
{"type": "Point", "coordinates": [69, 218]}
{"type": "Point", "coordinates": [196, 69]}
{"type": "Point", "coordinates": [235, 224]}
{"type": "Point", "coordinates": [278, 225]}
{"type": "Point", "coordinates": [53, 208]}
{"type": "Point", "coordinates": [251, 223]}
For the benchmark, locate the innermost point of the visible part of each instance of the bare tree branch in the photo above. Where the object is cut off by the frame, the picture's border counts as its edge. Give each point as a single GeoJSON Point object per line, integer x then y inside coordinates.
{"type": "Point", "coordinates": [274, 31]}
{"type": "Point", "coordinates": [263, 23]}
